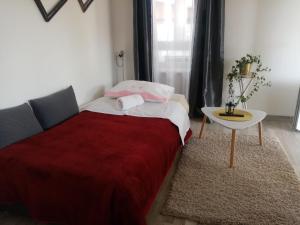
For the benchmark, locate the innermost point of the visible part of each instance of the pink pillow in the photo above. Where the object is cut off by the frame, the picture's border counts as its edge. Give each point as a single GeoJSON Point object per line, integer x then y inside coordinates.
{"type": "Point", "coordinates": [153, 92]}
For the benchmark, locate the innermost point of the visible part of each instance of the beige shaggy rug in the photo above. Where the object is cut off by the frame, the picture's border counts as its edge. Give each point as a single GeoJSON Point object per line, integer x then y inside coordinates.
{"type": "Point", "coordinates": [262, 188]}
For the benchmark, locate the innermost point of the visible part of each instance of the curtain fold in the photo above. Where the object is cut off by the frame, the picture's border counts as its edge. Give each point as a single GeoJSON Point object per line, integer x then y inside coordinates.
{"type": "Point", "coordinates": [142, 19]}
{"type": "Point", "coordinates": [206, 80]}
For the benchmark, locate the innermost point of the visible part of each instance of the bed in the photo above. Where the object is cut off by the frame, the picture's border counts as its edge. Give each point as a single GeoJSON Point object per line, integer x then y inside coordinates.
{"type": "Point", "coordinates": [95, 168]}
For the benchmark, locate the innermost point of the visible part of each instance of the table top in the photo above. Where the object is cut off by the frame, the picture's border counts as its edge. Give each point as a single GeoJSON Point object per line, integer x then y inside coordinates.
{"type": "Point", "coordinates": [258, 116]}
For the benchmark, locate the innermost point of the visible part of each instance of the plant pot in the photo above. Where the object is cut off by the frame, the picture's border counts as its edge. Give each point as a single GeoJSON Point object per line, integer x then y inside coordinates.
{"type": "Point", "coordinates": [245, 69]}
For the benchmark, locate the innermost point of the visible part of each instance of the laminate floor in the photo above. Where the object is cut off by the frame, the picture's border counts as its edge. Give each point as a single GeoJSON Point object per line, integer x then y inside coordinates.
{"type": "Point", "coordinates": [280, 127]}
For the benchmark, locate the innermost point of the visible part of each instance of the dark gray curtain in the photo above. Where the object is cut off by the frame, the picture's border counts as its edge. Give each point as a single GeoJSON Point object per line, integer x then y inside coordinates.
{"type": "Point", "coordinates": [142, 20]}
{"type": "Point", "coordinates": [206, 80]}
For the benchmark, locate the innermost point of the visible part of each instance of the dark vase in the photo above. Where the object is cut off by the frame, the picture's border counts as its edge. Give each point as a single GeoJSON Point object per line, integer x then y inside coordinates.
{"type": "Point", "coordinates": [229, 108]}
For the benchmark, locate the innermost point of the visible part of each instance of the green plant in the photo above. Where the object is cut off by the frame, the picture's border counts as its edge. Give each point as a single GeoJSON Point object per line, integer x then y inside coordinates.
{"type": "Point", "coordinates": [259, 79]}
{"type": "Point", "coordinates": [248, 59]}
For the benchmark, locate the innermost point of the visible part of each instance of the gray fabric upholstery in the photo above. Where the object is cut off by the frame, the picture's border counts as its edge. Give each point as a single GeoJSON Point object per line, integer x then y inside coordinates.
{"type": "Point", "coordinates": [16, 124]}
{"type": "Point", "coordinates": [55, 108]}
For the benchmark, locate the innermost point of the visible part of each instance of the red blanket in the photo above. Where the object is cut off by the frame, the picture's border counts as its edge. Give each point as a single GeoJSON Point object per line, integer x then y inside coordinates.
{"type": "Point", "coordinates": [94, 169]}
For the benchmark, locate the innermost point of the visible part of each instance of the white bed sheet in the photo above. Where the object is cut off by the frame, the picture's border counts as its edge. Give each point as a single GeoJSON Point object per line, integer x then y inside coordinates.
{"type": "Point", "coordinates": [171, 110]}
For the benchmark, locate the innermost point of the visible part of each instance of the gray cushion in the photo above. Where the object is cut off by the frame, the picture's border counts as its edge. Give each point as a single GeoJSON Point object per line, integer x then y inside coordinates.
{"type": "Point", "coordinates": [55, 108]}
{"type": "Point", "coordinates": [16, 124]}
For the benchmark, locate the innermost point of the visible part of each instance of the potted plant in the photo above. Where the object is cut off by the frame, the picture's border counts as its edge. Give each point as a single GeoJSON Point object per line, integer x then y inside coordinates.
{"type": "Point", "coordinates": [241, 68]}
{"type": "Point", "coordinates": [245, 63]}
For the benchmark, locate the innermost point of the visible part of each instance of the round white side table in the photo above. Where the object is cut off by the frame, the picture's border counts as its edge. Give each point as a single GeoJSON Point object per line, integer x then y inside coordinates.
{"type": "Point", "coordinates": [257, 117]}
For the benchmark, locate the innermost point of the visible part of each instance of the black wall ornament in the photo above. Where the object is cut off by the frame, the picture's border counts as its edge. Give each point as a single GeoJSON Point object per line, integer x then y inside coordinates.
{"type": "Point", "coordinates": [84, 4]}
{"type": "Point", "coordinates": [49, 14]}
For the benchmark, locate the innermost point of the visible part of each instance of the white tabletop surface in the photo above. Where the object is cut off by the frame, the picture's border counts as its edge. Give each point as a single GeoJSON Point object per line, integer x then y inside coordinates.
{"type": "Point", "coordinates": [258, 116]}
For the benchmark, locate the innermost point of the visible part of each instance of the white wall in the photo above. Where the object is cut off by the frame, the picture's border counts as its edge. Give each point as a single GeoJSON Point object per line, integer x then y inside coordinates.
{"type": "Point", "coordinates": [122, 32]}
{"type": "Point", "coordinates": [38, 58]}
{"type": "Point", "coordinates": [269, 28]}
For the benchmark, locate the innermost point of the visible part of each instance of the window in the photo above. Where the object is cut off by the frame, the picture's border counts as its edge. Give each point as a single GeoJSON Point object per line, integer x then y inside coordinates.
{"type": "Point", "coordinates": [172, 42]}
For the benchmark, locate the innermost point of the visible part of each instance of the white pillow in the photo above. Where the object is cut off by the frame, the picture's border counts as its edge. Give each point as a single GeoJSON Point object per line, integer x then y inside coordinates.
{"type": "Point", "coordinates": [152, 92]}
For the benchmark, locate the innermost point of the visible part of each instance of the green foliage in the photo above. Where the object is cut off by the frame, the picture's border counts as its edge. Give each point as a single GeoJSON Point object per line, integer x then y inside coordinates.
{"type": "Point", "coordinates": [259, 79]}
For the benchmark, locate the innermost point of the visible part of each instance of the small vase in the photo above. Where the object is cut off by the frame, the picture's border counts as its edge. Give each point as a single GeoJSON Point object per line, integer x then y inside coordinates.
{"type": "Point", "coordinates": [245, 69]}
{"type": "Point", "coordinates": [229, 108]}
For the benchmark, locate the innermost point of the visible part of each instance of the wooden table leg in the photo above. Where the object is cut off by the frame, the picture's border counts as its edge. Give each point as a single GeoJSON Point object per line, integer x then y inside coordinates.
{"type": "Point", "coordinates": [202, 125]}
{"type": "Point", "coordinates": [260, 133]}
{"type": "Point", "coordinates": [232, 148]}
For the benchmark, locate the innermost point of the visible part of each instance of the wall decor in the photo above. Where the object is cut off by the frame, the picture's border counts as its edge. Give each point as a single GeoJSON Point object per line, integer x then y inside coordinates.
{"type": "Point", "coordinates": [47, 15]}
{"type": "Point", "coordinates": [84, 4]}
